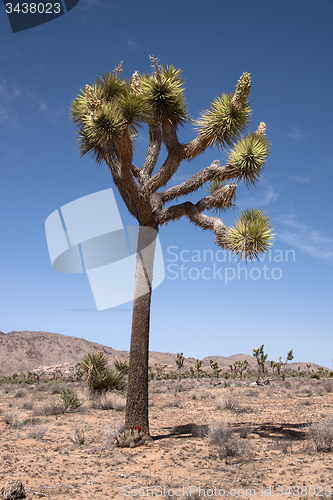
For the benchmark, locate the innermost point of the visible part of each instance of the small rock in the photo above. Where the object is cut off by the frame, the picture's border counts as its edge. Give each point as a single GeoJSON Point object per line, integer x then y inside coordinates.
{"type": "Point", "coordinates": [12, 491]}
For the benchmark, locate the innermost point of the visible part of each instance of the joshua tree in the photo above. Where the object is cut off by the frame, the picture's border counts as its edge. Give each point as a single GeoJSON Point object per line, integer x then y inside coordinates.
{"type": "Point", "coordinates": [215, 367]}
{"type": "Point", "coordinates": [180, 363]}
{"type": "Point", "coordinates": [198, 364]}
{"type": "Point", "coordinates": [261, 358]}
{"type": "Point", "coordinates": [241, 367]}
{"type": "Point", "coordinates": [288, 358]}
{"type": "Point", "coordinates": [108, 115]}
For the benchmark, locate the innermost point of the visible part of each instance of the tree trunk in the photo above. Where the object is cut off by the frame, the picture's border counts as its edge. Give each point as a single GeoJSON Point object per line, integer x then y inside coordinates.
{"type": "Point", "coordinates": [137, 389]}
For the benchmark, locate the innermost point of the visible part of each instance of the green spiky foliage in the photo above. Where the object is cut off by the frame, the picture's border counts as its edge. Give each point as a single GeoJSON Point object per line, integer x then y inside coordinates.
{"type": "Point", "coordinates": [100, 378]}
{"type": "Point", "coordinates": [180, 360]}
{"type": "Point", "coordinates": [251, 235]}
{"type": "Point", "coordinates": [121, 366]}
{"type": "Point", "coordinates": [164, 95]}
{"type": "Point", "coordinates": [198, 364]}
{"type": "Point", "coordinates": [109, 113]}
{"type": "Point", "coordinates": [261, 358]}
{"type": "Point", "coordinates": [246, 160]}
{"type": "Point", "coordinates": [215, 367]}
{"type": "Point", "coordinates": [223, 123]}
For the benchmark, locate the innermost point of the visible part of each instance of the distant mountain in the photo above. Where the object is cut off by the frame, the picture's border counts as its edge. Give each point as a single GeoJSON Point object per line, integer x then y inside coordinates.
{"type": "Point", "coordinates": [24, 351]}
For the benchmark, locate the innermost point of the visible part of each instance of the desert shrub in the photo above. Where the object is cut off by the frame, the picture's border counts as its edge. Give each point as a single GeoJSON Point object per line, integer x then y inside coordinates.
{"type": "Point", "coordinates": [27, 404]}
{"type": "Point", "coordinates": [13, 420]}
{"type": "Point", "coordinates": [155, 388]}
{"type": "Point", "coordinates": [69, 400]}
{"type": "Point", "coordinates": [315, 375]}
{"type": "Point", "coordinates": [203, 393]}
{"type": "Point", "coordinates": [219, 433]}
{"type": "Point", "coordinates": [226, 404]}
{"type": "Point", "coordinates": [51, 407]}
{"type": "Point", "coordinates": [37, 432]}
{"type": "Point", "coordinates": [252, 393]}
{"type": "Point", "coordinates": [328, 386]}
{"type": "Point", "coordinates": [231, 448]}
{"type": "Point", "coordinates": [55, 388]}
{"type": "Point", "coordinates": [245, 431]}
{"type": "Point", "coordinates": [321, 434]}
{"type": "Point", "coordinates": [111, 401]}
{"type": "Point", "coordinates": [179, 388]}
{"type": "Point", "coordinates": [305, 390]}
{"type": "Point", "coordinates": [20, 393]}
{"type": "Point", "coordinates": [79, 435]}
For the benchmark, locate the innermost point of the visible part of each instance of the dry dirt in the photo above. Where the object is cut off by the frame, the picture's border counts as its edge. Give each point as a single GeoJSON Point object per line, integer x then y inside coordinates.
{"type": "Point", "coordinates": [276, 453]}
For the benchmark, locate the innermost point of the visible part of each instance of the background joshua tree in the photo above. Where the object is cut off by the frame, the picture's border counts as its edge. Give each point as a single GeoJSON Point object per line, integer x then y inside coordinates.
{"type": "Point", "coordinates": [241, 367]}
{"type": "Point", "coordinates": [261, 358]}
{"type": "Point", "coordinates": [198, 364]}
{"type": "Point", "coordinates": [180, 360]}
{"type": "Point", "coordinates": [108, 115]}
{"type": "Point", "coordinates": [215, 367]}
{"type": "Point", "coordinates": [288, 358]}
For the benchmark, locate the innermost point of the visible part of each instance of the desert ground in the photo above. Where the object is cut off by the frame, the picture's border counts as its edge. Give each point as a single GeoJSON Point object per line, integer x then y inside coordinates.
{"type": "Point", "coordinates": [235, 440]}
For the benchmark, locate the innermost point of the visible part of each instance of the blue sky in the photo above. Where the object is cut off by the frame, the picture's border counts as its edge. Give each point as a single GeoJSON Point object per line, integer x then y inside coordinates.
{"type": "Point", "coordinates": [287, 48]}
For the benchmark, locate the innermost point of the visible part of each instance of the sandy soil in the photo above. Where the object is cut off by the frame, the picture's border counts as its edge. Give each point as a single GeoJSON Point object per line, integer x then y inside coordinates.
{"type": "Point", "coordinates": [275, 457]}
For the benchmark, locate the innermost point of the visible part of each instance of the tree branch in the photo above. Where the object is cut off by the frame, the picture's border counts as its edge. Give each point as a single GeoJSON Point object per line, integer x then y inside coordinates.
{"type": "Point", "coordinates": [152, 152]}
{"type": "Point", "coordinates": [214, 171]}
{"type": "Point", "coordinates": [196, 216]}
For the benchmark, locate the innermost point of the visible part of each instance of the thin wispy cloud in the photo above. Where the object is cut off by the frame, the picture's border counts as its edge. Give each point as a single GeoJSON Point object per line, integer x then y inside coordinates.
{"type": "Point", "coordinates": [131, 44]}
{"type": "Point", "coordinates": [306, 239]}
{"type": "Point", "coordinates": [9, 93]}
{"type": "Point", "coordinates": [88, 4]}
{"type": "Point", "coordinates": [300, 178]}
{"type": "Point", "coordinates": [16, 104]}
{"type": "Point", "coordinates": [265, 196]}
{"type": "Point", "coordinates": [295, 133]}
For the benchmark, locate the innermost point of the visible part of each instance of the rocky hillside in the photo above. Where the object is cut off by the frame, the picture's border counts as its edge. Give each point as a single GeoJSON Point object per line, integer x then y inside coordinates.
{"type": "Point", "coordinates": [24, 351]}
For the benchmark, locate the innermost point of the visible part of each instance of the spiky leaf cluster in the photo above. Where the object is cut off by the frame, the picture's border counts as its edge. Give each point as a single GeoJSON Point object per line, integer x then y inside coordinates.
{"type": "Point", "coordinates": [214, 186]}
{"type": "Point", "coordinates": [246, 160]}
{"type": "Point", "coordinates": [222, 201]}
{"type": "Point", "coordinates": [223, 122]}
{"type": "Point", "coordinates": [100, 378]}
{"type": "Point", "coordinates": [251, 235]}
{"type": "Point", "coordinates": [164, 95]}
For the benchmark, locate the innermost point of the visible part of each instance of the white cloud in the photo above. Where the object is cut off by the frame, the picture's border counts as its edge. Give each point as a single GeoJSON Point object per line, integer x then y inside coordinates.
{"type": "Point", "coordinates": [131, 43]}
{"type": "Point", "coordinates": [8, 95]}
{"type": "Point", "coordinates": [308, 240]}
{"type": "Point", "coordinates": [300, 178]}
{"type": "Point", "coordinates": [88, 4]}
{"type": "Point", "coordinates": [264, 197]}
{"type": "Point", "coordinates": [295, 133]}
{"type": "Point", "coordinates": [16, 103]}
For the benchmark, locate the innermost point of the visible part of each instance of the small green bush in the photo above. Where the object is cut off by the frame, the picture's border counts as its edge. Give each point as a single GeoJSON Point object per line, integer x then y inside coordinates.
{"type": "Point", "coordinates": [69, 400]}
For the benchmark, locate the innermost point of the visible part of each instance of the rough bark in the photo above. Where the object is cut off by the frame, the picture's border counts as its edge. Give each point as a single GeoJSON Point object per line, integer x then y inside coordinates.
{"type": "Point", "coordinates": [137, 391]}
